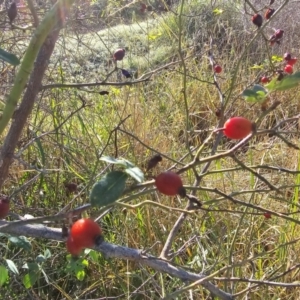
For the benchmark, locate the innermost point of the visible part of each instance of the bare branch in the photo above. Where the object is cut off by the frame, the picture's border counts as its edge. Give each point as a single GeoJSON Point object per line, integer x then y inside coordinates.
{"type": "Point", "coordinates": [119, 252]}
{"type": "Point", "coordinates": [82, 85]}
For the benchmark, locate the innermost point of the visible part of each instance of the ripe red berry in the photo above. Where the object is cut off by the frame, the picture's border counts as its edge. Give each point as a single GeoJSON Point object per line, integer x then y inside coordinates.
{"type": "Point", "coordinates": [269, 13]}
{"type": "Point", "coordinates": [267, 215]}
{"type": "Point", "coordinates": [264, 79]}
{"type": "Point", "coordinates": [119, 54]}
{"type": "Point", "coordinates": [279, 34]}
{"type": "Point", "coordinates": [287, 56]}
{"type": "Point", "coordinates": [169, 183]}
{"type": "Point", "coordinates": [257, 20]}
{"type": "Point", "coordinates": [217, 68]}
{"type": "Point", "coordinates": [275, 38]}
{"type": "Point", "coordinates": [4, 207]}
{"type": "Point", "coordinates": [237, 128]}
{"type": "Point", "coordinates": [292, 61]}
{"type": "Point", "coordinates": [73, 247]}
{"type": "Point", "coordinates": [85, 232]}
{"type": "Point", "coordinates": [288, 69]}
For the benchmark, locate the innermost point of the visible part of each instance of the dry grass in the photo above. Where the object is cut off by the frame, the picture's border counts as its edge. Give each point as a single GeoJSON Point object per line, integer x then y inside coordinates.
{"type": "Point", "coordinates": [229, 234]}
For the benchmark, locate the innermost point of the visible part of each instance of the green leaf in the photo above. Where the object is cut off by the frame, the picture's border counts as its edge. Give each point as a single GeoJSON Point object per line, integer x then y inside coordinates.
{"type": "Point", "coordinates": [118, 161]}
{"type": "Point", "coordinates": [3, 275]}
{"type": "Point", "coordinates": [288, 82]}
{"type": "Point", "coordinates": [47, 254]}
{"type": "Point", "coordinates": [31, 266]}
{"type": "Point", "coordinates": [30, 279]}
{"type": "Point", "coordinates": [218, 11]}
{"type": "Point", "coordinates": [131, 169]}
{"type": "Point", "coordinates": [259, 88]}
{"type": "Point", "coordinates": [21, 242]}
{"type": "Point", "coordinates": [113, 160]}
{"type": "Point", "coordinates": [260, 67]}
{"type": "Point", "coordinates": [94, 255]}
{"type": "Point", "coordinates": [40, 258]}
{"type": "Point", "coordinates": [257, 94]}
{"type": "Point", "coordinates": [9, 57]}
{"type": "Point", "coordinates": [80, 274]}
{"type": "Point", "coordinates": [84, 262]}
{"type": "Point", "coordinates": [276, 58]}
{"type": "Point", "coordinates": [136, 173]}
{"type": "Point", "coordinates": [108, 189]}
{"type": "Point", "coordinates": [11, 265]}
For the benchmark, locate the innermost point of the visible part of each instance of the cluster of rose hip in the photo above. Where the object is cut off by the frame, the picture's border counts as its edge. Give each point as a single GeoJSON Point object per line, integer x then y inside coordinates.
{"type": "Point", "coordinates": [86, 233]}
{"type": "Point", "coordinates": [257, 20]}
{"type": "Point", "coordinates": [288, 68]}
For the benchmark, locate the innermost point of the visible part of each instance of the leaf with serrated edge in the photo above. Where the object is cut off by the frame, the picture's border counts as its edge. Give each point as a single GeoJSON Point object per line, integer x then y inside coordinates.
{"type": "Point", "coordinates": [108, 189]}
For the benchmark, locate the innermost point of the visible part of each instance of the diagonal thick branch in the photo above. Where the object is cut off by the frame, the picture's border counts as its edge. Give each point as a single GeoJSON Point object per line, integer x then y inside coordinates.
{"type": "Point", "coordinates": [119, 252]}
{"type": "Point", "coordinates": [25, 108]}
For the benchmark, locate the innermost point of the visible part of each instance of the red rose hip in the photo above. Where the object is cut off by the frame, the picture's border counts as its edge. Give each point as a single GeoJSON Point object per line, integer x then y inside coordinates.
{"type": "Point", "coordinates": [267, 215]}
{"type": "Point", "coordinates": [292, 61]}
{"type": "Point", "coordinates": [287, 56]}
{"type": "Point", "coordinates": [119, 54]}
{"type": "Point", "coordinates": [269, 13]}
{"type": "Point", "coordinates": [288, 69]}
{"type": "Point", "coordinates": [72, 247]}
{"type": "Point", "coordinates": [279, 34]}
{"type": "Point", "coordinates": [237, 128]}
{"type": "Point", "coordinates": [217, 68]}
{"type": "Point", "coordinates": [85, 232]}
{"type": "Point", "coordinates": [257, 20]}
{"type": "Point", "coordinates": [169, 183]}
{"type": "Point", "coordinates": [265, 79]}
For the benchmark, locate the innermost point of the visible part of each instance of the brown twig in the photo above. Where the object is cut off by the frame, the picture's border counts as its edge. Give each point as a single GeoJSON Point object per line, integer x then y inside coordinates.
{"type": "Point", "coordinates": [244, 167]}
{"type": "Point", "coordinates": [33, 12]}
{"type": "Point", "coordinates": [82, 85]}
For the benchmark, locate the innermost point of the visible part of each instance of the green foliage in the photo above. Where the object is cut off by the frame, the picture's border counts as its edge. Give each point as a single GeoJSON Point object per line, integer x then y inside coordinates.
{"type": "Point", "coordinates": [257, 94]}
{"type": "Point", "coordinates": [9, 57]}
{"type": "Point", "coordinates": [3, 275]}
{"type": "Point", "coordinates": [77, 267]}
{"type": "Point", "coordinates": [21, 242]}
{"type": "Point", "coordinates": [12, 267]}
{"type": "Point", "coordinates": [35, 270]}
{"type": "Point", "coordinates": [108, 189]}
{"type": "Point", "coordinates": [130, 168]}
{"type": "Point", "coordinates": [288, 82]}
